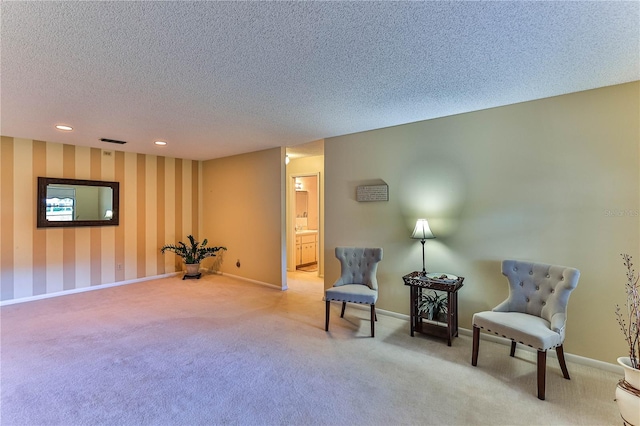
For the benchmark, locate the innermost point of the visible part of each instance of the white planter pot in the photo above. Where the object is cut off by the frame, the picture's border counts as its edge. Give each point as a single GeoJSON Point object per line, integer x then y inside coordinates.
{"type": "Point", "coordinates": [192, 268]}
{"type": "Point", "coordinates": [628, 394]}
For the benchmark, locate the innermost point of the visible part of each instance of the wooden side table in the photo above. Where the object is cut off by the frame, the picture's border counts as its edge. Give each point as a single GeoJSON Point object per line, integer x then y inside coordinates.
{"type": "Point", "coordinates": [419, 282]}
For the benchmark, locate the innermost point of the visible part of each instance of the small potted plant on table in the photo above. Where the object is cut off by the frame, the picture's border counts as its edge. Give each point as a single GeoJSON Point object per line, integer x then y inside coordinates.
{"type": "Point", "coordinates": [192, 255]}
{"type": "Point", "coordinates": [434, 305]}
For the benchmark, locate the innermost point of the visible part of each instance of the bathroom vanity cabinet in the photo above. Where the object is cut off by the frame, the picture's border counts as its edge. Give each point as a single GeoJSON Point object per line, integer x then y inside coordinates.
{"type": "Point", "coordinates": [306, 247]}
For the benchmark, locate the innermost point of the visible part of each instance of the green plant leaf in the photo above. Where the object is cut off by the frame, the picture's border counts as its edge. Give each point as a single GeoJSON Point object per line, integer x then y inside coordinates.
{"type": "Point", "coordinates": [194, 253]}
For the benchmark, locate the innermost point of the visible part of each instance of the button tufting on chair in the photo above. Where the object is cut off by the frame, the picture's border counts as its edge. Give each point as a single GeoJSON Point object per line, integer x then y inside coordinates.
{"type": "Point", "coordinates": [357, 284]}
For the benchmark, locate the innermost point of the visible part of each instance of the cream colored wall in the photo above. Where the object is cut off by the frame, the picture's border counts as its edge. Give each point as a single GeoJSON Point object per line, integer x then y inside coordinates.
{"type": "Point", "coordinates": [296, 167]}
{"type": "Point", "coordinates": [553, 180]}
{"type": "Point", "coordinates": [158, 204]}
{"type": "Point", "coordinates": [243, 209]}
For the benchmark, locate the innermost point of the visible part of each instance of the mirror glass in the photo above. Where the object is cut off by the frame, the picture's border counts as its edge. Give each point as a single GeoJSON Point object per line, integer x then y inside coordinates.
{"type": "Point", "coordinates": [302, 211]}
{"type": "Point", "coordinates": [75, 202]}
{"type": "Point", "coordinates": [302, 203]}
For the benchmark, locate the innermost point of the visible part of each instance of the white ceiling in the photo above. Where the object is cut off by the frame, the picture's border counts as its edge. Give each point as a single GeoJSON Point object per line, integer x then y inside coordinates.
{"type": "Point", "coordinates": [220, 78]}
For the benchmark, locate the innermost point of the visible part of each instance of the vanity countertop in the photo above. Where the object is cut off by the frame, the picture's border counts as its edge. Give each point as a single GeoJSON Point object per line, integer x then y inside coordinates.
{"type": "Point", "coordinates": [307, 232]}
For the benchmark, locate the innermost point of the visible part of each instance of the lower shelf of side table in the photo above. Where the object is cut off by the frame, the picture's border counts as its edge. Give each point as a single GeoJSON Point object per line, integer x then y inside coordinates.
{"type": "Point", "coordinates": [432, 328]}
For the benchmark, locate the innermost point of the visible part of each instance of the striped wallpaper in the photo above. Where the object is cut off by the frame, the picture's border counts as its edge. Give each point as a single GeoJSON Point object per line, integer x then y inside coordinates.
{"type": "Point", "coordinates": [159, 200]}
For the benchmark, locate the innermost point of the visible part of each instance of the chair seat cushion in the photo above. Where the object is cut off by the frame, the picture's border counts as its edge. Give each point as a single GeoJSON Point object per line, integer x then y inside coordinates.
{"type": "Point", "coordinates": [354, 293]}
{"type": "Point", "coordinates": [527, 329]}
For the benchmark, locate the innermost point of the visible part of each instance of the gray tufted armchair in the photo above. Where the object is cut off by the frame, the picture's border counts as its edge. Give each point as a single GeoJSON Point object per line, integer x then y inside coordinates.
{"type": "Point", "coordinates": [357, 282]}
{"type": "Point", "coordinates": [535, 313]}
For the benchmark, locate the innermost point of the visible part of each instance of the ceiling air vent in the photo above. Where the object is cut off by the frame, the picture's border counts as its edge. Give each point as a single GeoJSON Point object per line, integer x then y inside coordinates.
{"type": "Point", "coordinates": [112, 141]}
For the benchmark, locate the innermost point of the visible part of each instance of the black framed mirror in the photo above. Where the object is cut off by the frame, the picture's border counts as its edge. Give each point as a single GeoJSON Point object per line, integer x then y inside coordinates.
{"type": "Point", "coordinates": [77, 202]}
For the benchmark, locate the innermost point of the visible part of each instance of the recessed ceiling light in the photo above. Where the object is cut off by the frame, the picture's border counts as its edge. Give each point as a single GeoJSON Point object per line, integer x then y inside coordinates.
{"type": "Point", "coordinates": [64, 127]}
{"type": "Point", "coordinates": [160, 142]}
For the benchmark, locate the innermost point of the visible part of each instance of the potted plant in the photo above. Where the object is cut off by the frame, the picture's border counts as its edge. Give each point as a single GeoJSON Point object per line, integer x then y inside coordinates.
{"type": "Point", "coordinates": [628, 389]}
{"type": "Point", "coordinates": [434, 305]}
{"type": "Point", "coordinates": [193, 254]}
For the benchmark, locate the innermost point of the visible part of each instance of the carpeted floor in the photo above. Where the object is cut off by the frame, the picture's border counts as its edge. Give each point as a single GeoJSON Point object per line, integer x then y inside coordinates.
{"type": "Point", "coordinates": [222, 351]}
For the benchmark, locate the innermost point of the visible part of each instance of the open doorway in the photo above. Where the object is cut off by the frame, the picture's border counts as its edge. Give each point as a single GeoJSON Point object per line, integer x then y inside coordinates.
{"type": "Point", "coordinates": [305, 222]}
{"type": "Point", "coordinates": [305, 164]}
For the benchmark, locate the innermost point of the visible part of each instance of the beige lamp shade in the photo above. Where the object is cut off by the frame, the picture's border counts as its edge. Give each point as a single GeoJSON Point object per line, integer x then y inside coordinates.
{"type": "Point", "coordinates": [422, 230]}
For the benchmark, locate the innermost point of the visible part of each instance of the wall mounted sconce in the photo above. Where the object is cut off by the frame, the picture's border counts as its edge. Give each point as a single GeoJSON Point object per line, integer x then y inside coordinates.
{"type": "Point", "coordinates": [286, 159]}
{"type": "Point", "coordinates": [422, 232]}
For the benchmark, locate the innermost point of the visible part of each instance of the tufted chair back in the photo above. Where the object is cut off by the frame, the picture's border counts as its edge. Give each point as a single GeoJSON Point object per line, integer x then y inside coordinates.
{"type": "Point", "coordinates": [534, 314]}
{"type": "Point", "coordinates": [358, 266]}
{"type": "Point", "coordinates": [539, 289]}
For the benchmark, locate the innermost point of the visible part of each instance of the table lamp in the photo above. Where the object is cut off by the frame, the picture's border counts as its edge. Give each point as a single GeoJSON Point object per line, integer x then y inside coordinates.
{"type": "Point", "coordinates": [422, 232]}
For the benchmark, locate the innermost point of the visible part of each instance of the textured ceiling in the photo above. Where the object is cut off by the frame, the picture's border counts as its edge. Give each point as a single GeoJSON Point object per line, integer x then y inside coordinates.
{"type": "Point", "coordinates": [220, 78]}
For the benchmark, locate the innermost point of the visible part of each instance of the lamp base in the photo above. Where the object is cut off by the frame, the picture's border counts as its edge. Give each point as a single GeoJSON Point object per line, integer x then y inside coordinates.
{"type": "Point", "coordinates": [424, 270]}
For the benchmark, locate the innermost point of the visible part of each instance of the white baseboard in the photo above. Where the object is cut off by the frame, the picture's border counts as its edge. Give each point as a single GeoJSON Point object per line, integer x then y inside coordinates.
{"type": "Point", "coordinates": [393, 314]}
{"type": "Point", "coordinates": [254, 281]}
{"type": "Point", "coordinates": [589, 362]}
{"type": "Point", "coordinates": [119, 283]}
{"type": "Point", "coordinates": [84, 289]}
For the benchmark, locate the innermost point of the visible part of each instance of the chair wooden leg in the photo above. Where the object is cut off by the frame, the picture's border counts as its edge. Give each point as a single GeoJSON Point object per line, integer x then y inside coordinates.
{"type": "Point", "coordinates": [542, 368]}
{"type": "Point", "coordinates": [326, 323]}
{"type": "Point", "coordinates": [563, 365]}
{"type": "Point", "coordinates": [513, 348]}
{"type": "Point", "coordinates": [476, 343]}
{"type": "Point", "coordinates": [373, 321]}
{"type": "Point", "coordinates": [344, 305]}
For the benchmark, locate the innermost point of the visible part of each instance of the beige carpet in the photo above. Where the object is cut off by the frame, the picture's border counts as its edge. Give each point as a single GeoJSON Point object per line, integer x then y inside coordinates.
{"type": "Point", "coordinates": [222, 351]}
